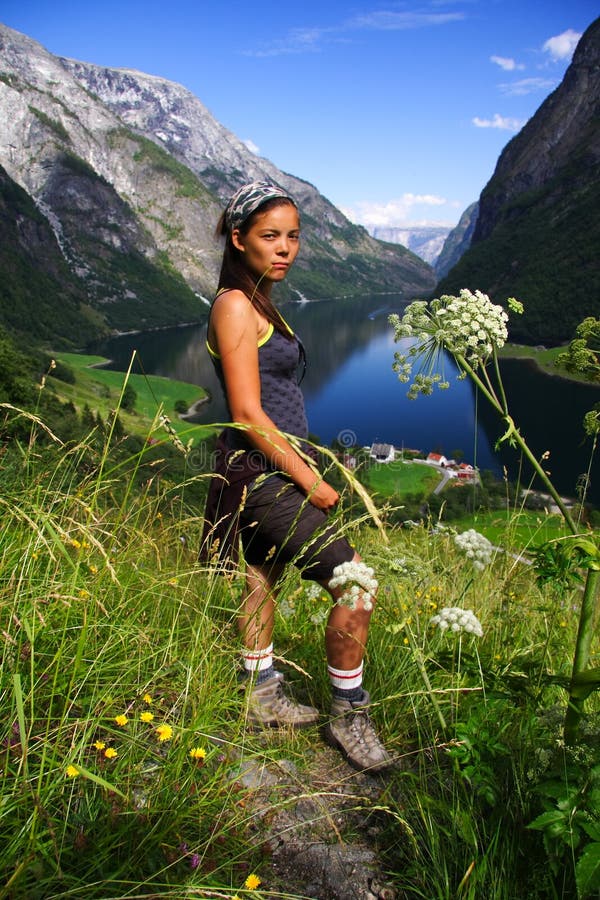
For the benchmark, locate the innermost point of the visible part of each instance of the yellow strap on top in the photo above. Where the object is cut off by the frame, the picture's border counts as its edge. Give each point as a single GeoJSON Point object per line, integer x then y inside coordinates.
{"type": "Point", "coordinates": [261, 342]}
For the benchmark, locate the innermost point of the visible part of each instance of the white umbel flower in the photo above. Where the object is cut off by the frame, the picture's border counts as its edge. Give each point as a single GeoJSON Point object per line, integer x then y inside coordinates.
{"type": "Point", "coordinates": [457, 620]}
{"type": "Point", "coordinates": [360, 582]}
{"type": "Point", "coordinates": [476, 547]}
{"type": "Point", "coordinates": [469, 325]}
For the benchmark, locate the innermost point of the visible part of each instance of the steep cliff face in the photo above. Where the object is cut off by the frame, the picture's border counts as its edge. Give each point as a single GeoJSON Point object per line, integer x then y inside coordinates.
{"type": "Point", "coordinates": [458, 241]}
{"type": "Point", "coordinates": [39, 293]}
{"type": "Point", "coordinates": [130, 173]}
{"type": "Point", "coordinates": [538, 230]}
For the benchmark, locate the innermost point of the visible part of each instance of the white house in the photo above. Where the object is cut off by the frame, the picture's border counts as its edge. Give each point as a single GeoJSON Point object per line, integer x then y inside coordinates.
{"type": "Point", "coordinates": [436, 459]}
{"type": "Point", "coordinates": [383, 453]}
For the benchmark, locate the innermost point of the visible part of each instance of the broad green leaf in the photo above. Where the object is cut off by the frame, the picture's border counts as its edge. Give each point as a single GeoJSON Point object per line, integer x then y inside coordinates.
{"type": "Point", "coordinates": [587, 870]}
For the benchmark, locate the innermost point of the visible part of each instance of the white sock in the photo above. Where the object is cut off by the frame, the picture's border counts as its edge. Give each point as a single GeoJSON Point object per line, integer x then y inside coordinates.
{"type": "Point", "coordinates": [346, 683]}
{"type": "Point", "coordinates": [257, 660]}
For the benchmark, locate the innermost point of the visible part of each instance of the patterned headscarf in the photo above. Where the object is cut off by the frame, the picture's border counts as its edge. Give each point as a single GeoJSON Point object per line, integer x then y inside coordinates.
{"type": "Point", "coordinates": [247, 200]}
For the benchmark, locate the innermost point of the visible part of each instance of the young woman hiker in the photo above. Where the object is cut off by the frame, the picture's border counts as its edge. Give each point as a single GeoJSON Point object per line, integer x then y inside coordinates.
{"type": "Point", "coordinates": [269, 493]}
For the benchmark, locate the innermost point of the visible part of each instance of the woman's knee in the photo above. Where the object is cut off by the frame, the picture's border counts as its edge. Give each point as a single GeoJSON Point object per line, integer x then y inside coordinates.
{"type": "Point", "coordinates": [353, 584]}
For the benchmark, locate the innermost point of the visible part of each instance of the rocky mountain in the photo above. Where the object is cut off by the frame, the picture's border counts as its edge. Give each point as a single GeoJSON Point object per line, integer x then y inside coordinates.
{"type": "Point", "coordinates": [537, 235]}
{"type": "Point", "coordinates": [120, 177]}
{"type": "Point", "coordinates": [457, 241]}
{"type": "Point", "coordinates": [426, 241]}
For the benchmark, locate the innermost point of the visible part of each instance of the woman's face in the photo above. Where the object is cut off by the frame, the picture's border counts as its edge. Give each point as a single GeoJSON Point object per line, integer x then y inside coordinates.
{"type": "Point", "coordinates": [271, 244]}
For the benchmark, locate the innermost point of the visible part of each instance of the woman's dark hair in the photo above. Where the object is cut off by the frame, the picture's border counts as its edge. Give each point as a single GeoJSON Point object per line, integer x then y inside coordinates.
{"type": "Point", "coordinates": [235, 275]}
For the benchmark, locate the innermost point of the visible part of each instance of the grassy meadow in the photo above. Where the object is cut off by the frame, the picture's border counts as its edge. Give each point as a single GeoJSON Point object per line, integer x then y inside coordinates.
{"type": "Point", "coordinates": [100, 389]}
{"type": "Point", "coordinates": [123, 725]}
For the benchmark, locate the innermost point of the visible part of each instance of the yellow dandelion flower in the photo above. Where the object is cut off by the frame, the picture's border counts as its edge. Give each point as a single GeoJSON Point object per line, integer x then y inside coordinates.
{"type": "Point", "coordinates": [110, 753]}
{"type": "Point", "coordinates": [93, 569]}
{"type": "Point", "coordinates": [146, 716]}
{"type": "Point", "coordinates": [198, 753]}
{"type": "Point", "coordinates": [121, 719]}
{"type": "Point", "coordinates": [72, 771]}
{"type": "Point", "coordinates": [563, 624]}
{"type": "Point", "coordinates": [35, 554]}
{"type": "Point", "coordinates": [172, 582]}
{"type": "Point", "coordinates": [147, 699]}
{"type": "Point", "coordinates": [75, 543]}
{"type": "Point", "coordinates": [99, 745]}
{"type": "Point", "coordinates": [83, 594]}
{"type": "Point", "coordinates": [252, 882]}
{"type": "Point", "coordinates": [406, 641]}
{"type": "Point", "coordinates": [164, 732]}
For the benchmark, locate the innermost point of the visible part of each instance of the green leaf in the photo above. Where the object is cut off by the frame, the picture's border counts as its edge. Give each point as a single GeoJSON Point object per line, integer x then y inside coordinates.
{"type": "Point", "coordinates": [546, 819]}
{"type": "Point", "coordinates": [91, 776]}
{"type": "Point", "coordinates": [587, 870]}
{"type": "Point", "coordinates": [592, 829]}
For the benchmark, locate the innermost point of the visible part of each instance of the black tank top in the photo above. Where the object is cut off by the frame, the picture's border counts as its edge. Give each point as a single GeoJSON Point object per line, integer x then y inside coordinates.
{"type": "Point", "coordinates": [279, 362]}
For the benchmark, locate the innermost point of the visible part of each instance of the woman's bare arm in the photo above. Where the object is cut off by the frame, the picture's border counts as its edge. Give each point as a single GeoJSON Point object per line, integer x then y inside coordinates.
{"type": "Point", "coordinates": [235, 328]}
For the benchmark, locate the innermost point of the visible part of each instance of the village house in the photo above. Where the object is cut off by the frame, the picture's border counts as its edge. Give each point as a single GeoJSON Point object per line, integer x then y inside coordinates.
{"type": "Point", "coordinates": [383, 453]}
{"type": "Point", "coordinates": [436, 459]}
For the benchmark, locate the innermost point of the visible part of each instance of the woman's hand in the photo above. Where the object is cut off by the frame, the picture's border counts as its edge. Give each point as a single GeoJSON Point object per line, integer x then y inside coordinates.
{"type": "Point", "coordinates": [323, 496]}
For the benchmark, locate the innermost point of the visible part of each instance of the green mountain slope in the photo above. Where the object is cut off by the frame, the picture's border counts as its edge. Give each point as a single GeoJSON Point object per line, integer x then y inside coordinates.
{"type": "Point", "coordinates": [538, 232]}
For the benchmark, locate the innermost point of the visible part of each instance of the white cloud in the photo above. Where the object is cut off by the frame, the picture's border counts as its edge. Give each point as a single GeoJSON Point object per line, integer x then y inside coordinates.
{"type": "Point", "coordinates": [396, 212]}
{"type": "Point", "coordinates": [251, 147]}
{"type": "Point", "coordinates": [509, 65]}
{"type": "Point", "coordinates": [311, 40]}
{"type": "Point", "coordinates": [388, 20]}
{"type": "Point", "coordinates": [527, 86]}
{"type": "Point", "coordinates": [561, 46]}
{"type": "Point", "coordinates": [505, 123]}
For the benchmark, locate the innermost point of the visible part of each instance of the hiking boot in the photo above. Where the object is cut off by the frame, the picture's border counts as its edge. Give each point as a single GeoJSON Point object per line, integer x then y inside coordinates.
{"type": "Point", "coordinates": [268, 706]}
{"type": "Point", "coordinates": [352, 732]}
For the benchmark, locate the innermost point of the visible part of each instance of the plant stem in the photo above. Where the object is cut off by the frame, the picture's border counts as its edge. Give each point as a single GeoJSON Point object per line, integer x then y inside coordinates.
{"type": "Point", "coordinates": [578, 689]}
{"type": "Point", "coordinates": [519, 440]}
{"type": "Point", "coordinates": [423, 671]}
{"type": "Point", "coordinates": [581, 658]}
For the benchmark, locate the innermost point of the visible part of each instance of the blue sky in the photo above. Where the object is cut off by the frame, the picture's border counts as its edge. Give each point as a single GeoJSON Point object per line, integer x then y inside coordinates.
{"type": "Point", "coordinates": [395, 111]}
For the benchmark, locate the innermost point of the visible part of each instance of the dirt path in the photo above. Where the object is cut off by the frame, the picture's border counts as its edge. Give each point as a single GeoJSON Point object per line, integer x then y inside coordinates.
{"type": "Point", "coordinates": [318, 827]}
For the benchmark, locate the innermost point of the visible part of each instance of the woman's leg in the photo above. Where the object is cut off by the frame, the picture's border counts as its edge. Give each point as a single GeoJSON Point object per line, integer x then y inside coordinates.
{"type": "Point", "coordinates": [350, 728]}
{"type": "Point", "coordinates": [347, 630]}
{"type": "Point", "coordinates": [256, 618]}
{"type": "Point", "coordinates": [268, 704]}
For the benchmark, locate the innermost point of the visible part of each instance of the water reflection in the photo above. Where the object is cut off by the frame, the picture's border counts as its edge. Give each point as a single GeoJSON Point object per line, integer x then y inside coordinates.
{"type": "Point", "coordinates": [352, 393]}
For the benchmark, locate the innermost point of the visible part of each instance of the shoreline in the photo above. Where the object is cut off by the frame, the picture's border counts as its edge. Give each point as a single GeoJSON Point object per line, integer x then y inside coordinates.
{"type": "Point", "coordinates": [531, 354]}
{"type": "Point", "coordinates": [194, 409]}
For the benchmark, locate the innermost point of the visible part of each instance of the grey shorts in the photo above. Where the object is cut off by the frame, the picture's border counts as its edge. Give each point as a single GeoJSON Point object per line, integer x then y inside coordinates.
{"type": "Point", "coordinates": [279, 525]}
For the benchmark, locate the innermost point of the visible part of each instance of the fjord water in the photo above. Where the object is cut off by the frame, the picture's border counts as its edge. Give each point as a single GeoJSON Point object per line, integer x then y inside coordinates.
{"type": "Point", "coordinates": [352, 393]}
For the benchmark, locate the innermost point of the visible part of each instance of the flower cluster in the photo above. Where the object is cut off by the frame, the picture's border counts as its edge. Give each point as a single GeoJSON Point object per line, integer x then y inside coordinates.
{"type": "Point", "coordinates": [164, 733]}
{"type": "Point", "coordinates": [286, 608]}
{"type": "Point", "coordinates": [476, 547]}
{"type": "Point", "coordinates": [320, 615]}
{"type": "Point", "coordinates": [470, 326]}
{"type": "Point", "coordinates": [359, 578]}
{"type": "Point", "coordinates": [316, 595]}
{"type": "Point", "coordinates": [457, 620]}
